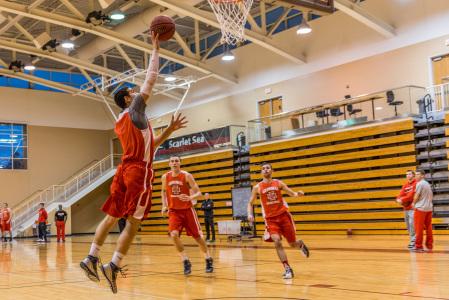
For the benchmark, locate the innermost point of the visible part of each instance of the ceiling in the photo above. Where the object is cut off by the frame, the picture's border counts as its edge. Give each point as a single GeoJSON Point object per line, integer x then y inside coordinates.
{"type": "Point", "coordinates": [117, 46]}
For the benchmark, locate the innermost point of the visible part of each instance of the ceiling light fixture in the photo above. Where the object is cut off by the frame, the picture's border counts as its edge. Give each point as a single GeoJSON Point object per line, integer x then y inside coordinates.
{"type": "Point", "coordinates": [304, 27]}
{"type": "Point", "coordinates": [29, 67]}
{"type": "Point", "coordinates": [68, 45]}
{"type": "Point", "coordinates": [228, 55]}
{"type": "Point", "coordinates": [170, 78]}
{"type": "Point", "coordinates": [117, 16]}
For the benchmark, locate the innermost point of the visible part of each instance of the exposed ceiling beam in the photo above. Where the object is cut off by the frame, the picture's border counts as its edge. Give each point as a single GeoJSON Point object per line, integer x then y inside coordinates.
{"type": "Point", "coordinates": [73, 9]}
{"type": "Point", "coordinates": [24, 32]}
{"type": "Point", "coordinates": [125, 56]}
{"type": "Point", "coordinates": [210, 19]}
{"type": "Point", "coordinates": [362, 15]}
{"type": "Point", "coordinates": [113, 36]}
{"type": "Point", "coordinates": [183, 44]}
{"type": "Point", "coordinates": [62, 58]}
{"type": "Point", "coordinates": [301, 5]}
{"type": "Point", "coordinates": [49, 83]}
{"type": "Point", "coordinates": [18, 17]}
{"type": "Point", "coordinates": [279, 21]}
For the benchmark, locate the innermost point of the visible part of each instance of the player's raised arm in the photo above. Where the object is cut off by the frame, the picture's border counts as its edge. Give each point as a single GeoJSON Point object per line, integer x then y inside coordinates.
{"type": "Point", "coordinates": [175, 124]}
{"type": "Point", "coordinates": [153, 69]}
{"type": "Point", "coordinates": [164, 195]}
{"type": "Point", "coordinates": [195, 190]}
{"type": "Point", "coordinates": [289, 191]}
{"type": "Point", "coordinates": [253, 198]}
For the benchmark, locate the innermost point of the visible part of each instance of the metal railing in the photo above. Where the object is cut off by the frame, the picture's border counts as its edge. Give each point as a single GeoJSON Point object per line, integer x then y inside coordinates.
{"type": "Point", "coordinates": [62, 193]}
{"type": "Point", "coordinates": [397, 102]}
{"type": "Point", "coordinates": [440, 96]}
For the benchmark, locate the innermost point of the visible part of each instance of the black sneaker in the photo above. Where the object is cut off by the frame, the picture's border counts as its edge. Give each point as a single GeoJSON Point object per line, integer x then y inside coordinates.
{"type": "Point", "coordinates": [89, 266]}
{"type": "Point", "coordinates": [288, 274]}
{"type": "Point", "coordinates": [110, 272]}
{"type": "Point", "coordinates": [209, 265]}
{"type": "Point", "coordinates": [304, 250]}
{"type": "Point", "coordinates": [187, 267]}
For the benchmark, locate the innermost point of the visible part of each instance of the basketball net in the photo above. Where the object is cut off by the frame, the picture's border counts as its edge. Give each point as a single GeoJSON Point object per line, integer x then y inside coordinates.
{"type": "Point", "coordinates": [232, 15]}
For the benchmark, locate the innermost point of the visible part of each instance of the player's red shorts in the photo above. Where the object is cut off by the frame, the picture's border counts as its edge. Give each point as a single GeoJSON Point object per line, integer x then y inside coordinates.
{"type": "Point", "coordinates": [184, 218]}
{"type": "Point", "coordinates": [130, 191]}
{"type": "Point", "coordinates": [282, 225]}
{"type": "Point", "coordinates": [6, 226]}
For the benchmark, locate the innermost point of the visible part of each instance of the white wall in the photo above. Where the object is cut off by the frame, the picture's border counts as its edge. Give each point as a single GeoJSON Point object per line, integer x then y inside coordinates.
{"type": "Point", "coordinates": [405, 66]}
{"type": "Point", "coordinates": [352, 54]}
{"type": "Point", "coordinates": [43, 108]}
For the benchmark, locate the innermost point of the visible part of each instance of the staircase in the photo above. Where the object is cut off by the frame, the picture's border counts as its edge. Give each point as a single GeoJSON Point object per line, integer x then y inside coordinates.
{"type": "Point", "coordinates": [72, 190]}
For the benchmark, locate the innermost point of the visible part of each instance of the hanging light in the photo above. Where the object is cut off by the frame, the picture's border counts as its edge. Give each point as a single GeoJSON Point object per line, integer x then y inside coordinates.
{"type": "Point", "coordinates": [30, 67]}
{"type": "Point", "coordinates": [170, 78]}
{"type": "Point", "coordinates": [304, 27]}
{"type": "Point", "coordinates": [117, 16]}
{"type": "Point", "coordinates": [228, 55]}
{"type": "Point", "coordinates": [68, 45]}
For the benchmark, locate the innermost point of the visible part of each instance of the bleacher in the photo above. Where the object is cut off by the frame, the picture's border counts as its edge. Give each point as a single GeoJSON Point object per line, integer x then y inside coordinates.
{"type": "Point", "coordinates": [350, 177]}
{"type": "Point", "coordinates": [214, 173]}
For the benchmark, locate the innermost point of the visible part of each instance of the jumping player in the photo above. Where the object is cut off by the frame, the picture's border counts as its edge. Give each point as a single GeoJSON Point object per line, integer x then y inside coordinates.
{"type": "Point", "coordinates": [278, 220]}
{"type": "Point", "coordinates": [132, 184]}
{"type": "Point", "coordinates": [179, 194]}
{"type": "Point", "coordinates": [6, 222]}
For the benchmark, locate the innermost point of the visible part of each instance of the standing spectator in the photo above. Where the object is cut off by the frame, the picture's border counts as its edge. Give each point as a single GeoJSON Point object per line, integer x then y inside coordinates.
{"type": "Point", "coordinates": [405, 198]}
{"type": "Point", "coordinates": [6, 222]}
{"type": "Point", "coordinates": [60, 220]}
{"type": "Point", "coordinates": [43, 216]}
{"type": "Point", "coordinates": [208, 207]}
{"type": "Point", "coordinates": [423, 212]}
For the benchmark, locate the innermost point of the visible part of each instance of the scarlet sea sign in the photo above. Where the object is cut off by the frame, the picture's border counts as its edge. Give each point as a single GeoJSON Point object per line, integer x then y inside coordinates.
{"type": "Point", "coordinates": [201, 140]}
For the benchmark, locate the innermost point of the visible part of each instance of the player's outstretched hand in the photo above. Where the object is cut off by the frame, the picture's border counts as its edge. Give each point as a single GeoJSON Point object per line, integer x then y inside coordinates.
{"type": "Point", "coordinates": [299, 193]}
{"type": "Point", "coordinates": [178, 123]}
{"type": "Point", "coordinates": [184, 197]}
{"type": "Point", "coordinates": [155, 40]}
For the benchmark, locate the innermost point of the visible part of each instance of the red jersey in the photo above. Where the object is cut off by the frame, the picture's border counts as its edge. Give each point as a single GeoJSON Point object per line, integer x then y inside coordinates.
{"type": "Point", "coordinates": [42, 216]}
{"type": "Point", "coordinates": [271, 198]}
{"type": "Point", "coordinates": [175, 186]}
{"type": "Point", "coordinates": [407, 193]}
{"type": "Point", "coordinates": [137, 144]}
{"type": "Point", "coordinates": [6, 215]}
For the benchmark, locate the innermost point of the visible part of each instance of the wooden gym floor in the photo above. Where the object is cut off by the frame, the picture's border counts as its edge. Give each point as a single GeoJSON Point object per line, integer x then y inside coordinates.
{"type": "Point", "coordinates": [357, 267]}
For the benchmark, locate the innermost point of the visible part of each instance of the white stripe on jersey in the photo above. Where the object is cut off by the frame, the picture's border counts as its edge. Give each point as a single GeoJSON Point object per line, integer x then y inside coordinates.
{"type": "Point", "coordinates": [147, 140]}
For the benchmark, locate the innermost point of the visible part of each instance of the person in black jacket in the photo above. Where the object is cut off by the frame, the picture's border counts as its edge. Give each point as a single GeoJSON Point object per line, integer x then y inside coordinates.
{"type": "Point", "coordinates": [208, 207]}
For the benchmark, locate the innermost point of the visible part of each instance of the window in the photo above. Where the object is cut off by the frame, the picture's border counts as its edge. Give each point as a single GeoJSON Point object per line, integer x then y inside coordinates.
{"type": "Point", "coordinates": [13, 146]}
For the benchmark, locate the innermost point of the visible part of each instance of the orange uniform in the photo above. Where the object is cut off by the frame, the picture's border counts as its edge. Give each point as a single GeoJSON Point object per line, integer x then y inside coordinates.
{"type": "Point", "coordinates": [275, 211]}
{"type": "Point", "coordinates": [181, 213]}
{"type": "Point", "coordinates": [131, 187]}
{"type": "Point", "coordinates": [6, 219]}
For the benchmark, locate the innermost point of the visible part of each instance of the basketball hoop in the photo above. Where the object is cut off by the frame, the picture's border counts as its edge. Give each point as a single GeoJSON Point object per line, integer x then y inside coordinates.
{"type": "Point", "coordinates": [231, 14]}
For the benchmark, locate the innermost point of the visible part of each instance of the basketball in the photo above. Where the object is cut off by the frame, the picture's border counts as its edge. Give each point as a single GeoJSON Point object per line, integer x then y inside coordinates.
{"type": "Point", "coordinates": [165, 26]}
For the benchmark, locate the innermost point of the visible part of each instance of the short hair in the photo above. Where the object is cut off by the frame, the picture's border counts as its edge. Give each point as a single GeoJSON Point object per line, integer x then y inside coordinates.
{"type": "Point", "coordinates": [42, 203]}
{"type": "Point", "coordinates": [119, 97]}
{"type": "Point", "coordinates": [421, 171]}
{"type": "Point", "coordinates": [411, 171]}
{"type": "Point", "coordinates": [171, 156]}
{"type": "Point", "coordinates": [265, 164]}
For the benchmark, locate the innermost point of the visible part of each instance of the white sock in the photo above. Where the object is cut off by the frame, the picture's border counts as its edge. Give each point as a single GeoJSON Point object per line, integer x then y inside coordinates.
{"type": "Point", "coordinates": [117, 258]}
{"type": "Point", "coordinates": [184, 256]}
{"type": "Point", "coordinates": [94, 249]}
